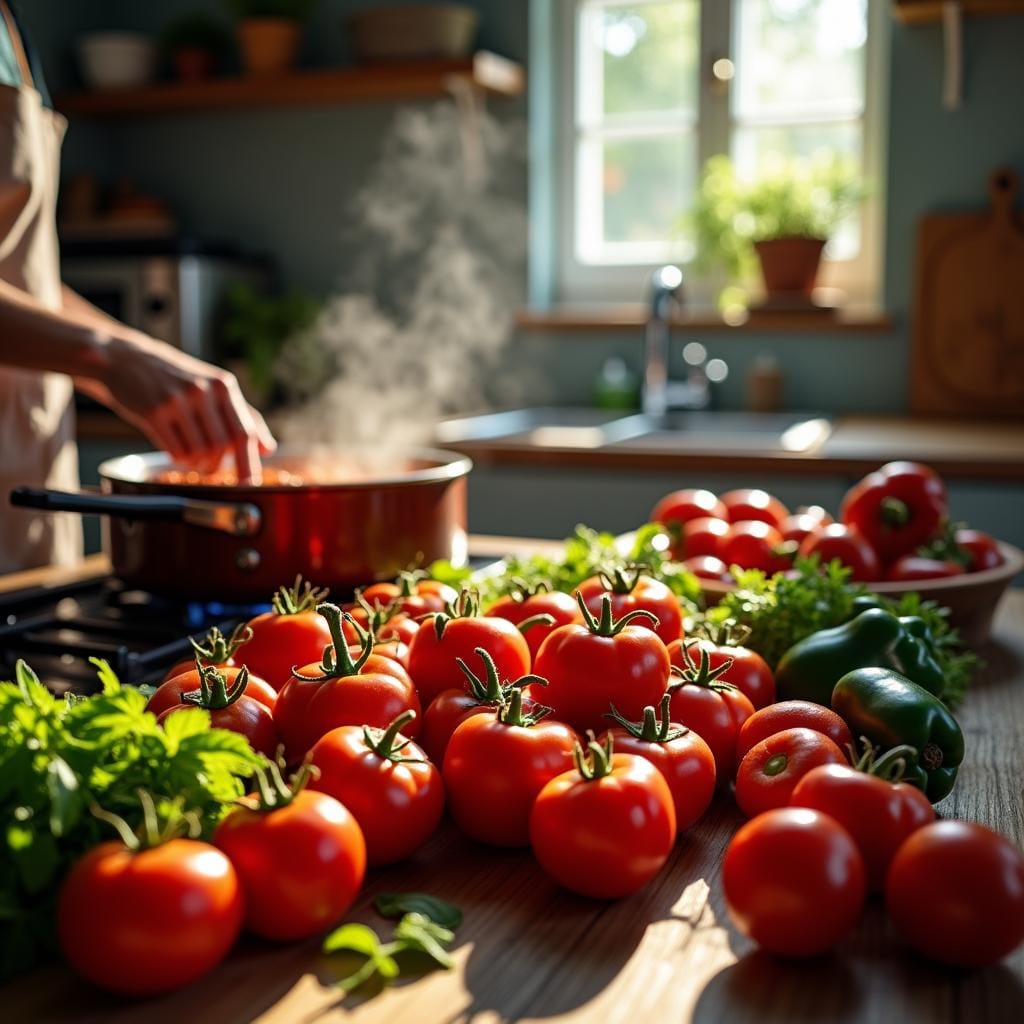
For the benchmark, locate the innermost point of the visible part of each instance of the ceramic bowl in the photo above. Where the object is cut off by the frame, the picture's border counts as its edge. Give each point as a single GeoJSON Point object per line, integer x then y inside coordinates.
{"type": "Point", "coordinates": [117, 60]}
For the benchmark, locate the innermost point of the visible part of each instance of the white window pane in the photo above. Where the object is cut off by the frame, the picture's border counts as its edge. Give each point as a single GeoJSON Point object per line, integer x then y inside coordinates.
{"type": "Point", "coordinates": [799, 57]}
{"type": "Point", "coordinates": [755, 149]}
{"type": "Point", "coordinates": [638, 58]}
{"type": "Point", "coordinates": [631, 193]}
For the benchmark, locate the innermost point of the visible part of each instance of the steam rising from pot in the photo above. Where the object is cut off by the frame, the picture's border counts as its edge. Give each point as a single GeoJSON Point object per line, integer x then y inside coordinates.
{"type": "Point", "coordinates": [440, 233]}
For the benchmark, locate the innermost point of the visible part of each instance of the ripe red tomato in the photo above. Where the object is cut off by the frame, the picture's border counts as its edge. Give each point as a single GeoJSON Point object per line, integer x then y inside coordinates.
{"type": "Point", "coordinates": [703, 537]}
{"type": "Point", "coordinates": [771, 769]}
{"type": "Point", "coordinates": [561, 607]}
{"type": "Point", "coordinates": [214, 649]}
{"type": "Point", "coordinates": [410, 594]}
{"type": "Point", "coordinates": [169, 693]}
{"type": "Point", "coordinates": [742, 667]}
{"type": "Point", "coordinates": [442, 640]}
{"type": "Point", "coordinates": [878, 814]}
{"type": "Point", "coordinates": [982, 549]}
{"type": "Point", "coordinates": [292, 634]}
{"type": "Point", "coordinates": [631, 592]}
{"type": "Point", "coordinates": [837, 540]}
{"type": "Point", "coordinates": [602, 662]}
{"type": "Point", "coordinates": [677, 509]}
{"type": "Point", "coordinates": [388, 784]}
{"type": "Point", "coordinates": [794, 881]}
{"type": "Point", "coordinates": [792, 714]}
{"type": "Point", "coordinates": [955, 891]}
{"type": "Point", "coordinates": [495, 766]}
{"type": "Point", "coordinates": [713, 709]}
{"type": "Point", "coordinates": [604, 830]}
{"type": "Point", "coordinates": [683, 758]}
{"type": "Point", "coordinates": [707, 567]}
{"type": "Point", "coordinates": [803, 522]}
{"type": "Point", "coordinates": [301, 863]}
{"type": "Point", "coordinates": [897, 508]}
{"type": "Point", "coordinates": [754, 505]}
{"type": "Point", "coordinates": [919, 567]}
{"type": "Point", "coordinates": [151, 921]}
{"type": "Point", "coordinates": [752, 544]}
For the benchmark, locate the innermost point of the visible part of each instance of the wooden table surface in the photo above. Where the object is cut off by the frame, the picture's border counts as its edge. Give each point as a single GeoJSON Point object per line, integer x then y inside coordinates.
{"type": "Point", "coordinates": [530, 951]}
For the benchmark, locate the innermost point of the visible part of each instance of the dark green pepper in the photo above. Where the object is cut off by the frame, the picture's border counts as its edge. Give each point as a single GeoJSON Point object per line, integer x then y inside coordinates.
{"type": "Point", "coordinates": [875, 638]}
{"type": "Point", "coordinates": [890, 710]}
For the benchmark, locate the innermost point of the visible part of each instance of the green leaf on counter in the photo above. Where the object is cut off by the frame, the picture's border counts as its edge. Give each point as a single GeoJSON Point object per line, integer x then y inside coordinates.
{"type": "Point", "coordinates": [415, 932]}
{"type": "Point", "coordinates": [441, 912]}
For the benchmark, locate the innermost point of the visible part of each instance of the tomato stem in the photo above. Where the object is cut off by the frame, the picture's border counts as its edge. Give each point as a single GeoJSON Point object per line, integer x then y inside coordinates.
{"type": "Point", "coordinates": [177, 822]}
{"type": "Point", "coordinates": [893, 512]}
{"type": "Point", "coordinates": [272, 792]}
{"type": "Point", "coordinates": [655, 728]}
{"type": "Point", "coordinates": [214, 694]}
{"type": "Point", "coordinates": [493, 690]}
{"type": "Point", "coordinates": [891, 766]}
{"type": "Point", "coordinates": [608, 625]}
{"type": "Point", "coordinates": [383, 741]}
{"type": "Point", "coordinates": [700, 674]}
{"type": "Point", "coordinates": [511, 712]}
{"type": "Point", "coordinates": [298, 598]}
{"type": "Point", "coordinates": [216, 649]}
{"type": "Point", "coordinates": [541, 619]}
{"type": "Point", "coordinates": [596, 762]}
{"type": "Point", "coordinates": [337, 661]}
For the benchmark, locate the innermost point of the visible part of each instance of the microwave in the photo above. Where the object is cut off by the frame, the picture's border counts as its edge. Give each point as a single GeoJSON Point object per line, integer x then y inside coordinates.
{"type": "Point", "coordinates": [175, 296]}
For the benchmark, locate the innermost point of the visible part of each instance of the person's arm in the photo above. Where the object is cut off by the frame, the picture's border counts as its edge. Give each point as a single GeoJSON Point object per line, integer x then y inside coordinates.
{"type": "Point", "coordinates": [191, 409]}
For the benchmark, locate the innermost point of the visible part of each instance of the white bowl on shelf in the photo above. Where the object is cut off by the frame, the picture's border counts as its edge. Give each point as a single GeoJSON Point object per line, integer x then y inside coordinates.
{"type": "Point", "coordinates": [117, 60]}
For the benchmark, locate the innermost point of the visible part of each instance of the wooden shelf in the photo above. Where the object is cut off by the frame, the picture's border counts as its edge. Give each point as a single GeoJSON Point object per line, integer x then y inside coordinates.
{"type": "Point", "coordinates": [366, 83]}
{"type": "Point", "coordinates": [920, 12]}
{"type": "Point", "coordinates": [633, 318]}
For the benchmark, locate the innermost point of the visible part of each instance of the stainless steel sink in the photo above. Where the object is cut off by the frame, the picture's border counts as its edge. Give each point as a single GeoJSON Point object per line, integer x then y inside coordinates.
{"type": "Point", "coordinates": [569, 427]}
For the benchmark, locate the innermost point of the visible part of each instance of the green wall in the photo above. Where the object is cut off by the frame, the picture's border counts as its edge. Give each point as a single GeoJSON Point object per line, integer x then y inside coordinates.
{"type": "Point", "coordinates": [278, 181]}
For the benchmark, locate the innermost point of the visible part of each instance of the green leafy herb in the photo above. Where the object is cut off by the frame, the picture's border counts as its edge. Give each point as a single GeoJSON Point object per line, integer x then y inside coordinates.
{"type": "Point", "coordinates": [415, 933]}
{"type": "Point", "coordinates": [58, 756]}
{"type": "Point", "coordinates": [395, 904]}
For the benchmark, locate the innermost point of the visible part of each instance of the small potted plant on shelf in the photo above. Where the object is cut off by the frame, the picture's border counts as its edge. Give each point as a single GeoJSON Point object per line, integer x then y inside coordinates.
{"type": "Point", "coordinates": [269, 33]}
{"type": "Point", "coordinates": [782, 220]}
{"type": "Point", "coordinates": [194, 45]}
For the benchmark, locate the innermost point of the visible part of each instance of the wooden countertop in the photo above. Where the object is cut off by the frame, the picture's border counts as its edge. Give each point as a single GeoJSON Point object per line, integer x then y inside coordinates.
{"type": "Point", "coordinates": [955, 448]}
{"type": "Point", "coordinates": [528, 950]}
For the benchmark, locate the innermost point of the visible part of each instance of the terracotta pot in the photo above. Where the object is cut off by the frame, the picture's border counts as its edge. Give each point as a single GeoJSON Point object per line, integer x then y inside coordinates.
{"type": "Point", "coordinates": [789, 266]}
{"type": "Point", "coordinates": [268, 45]}
{"type": "Point", "coordinates": [192, 63]}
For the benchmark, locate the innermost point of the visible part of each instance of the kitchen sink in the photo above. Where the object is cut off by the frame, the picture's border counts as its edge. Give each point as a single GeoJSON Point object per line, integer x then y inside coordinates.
{"type": "Point", "coordinates": [681, 430]}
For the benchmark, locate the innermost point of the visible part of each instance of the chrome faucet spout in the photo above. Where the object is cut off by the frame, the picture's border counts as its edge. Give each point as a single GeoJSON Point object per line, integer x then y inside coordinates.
{"type": "Point", "coordinates": [666, 294]}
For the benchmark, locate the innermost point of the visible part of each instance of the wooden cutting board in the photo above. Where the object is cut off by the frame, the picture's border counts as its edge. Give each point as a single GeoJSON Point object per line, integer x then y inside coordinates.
{"type": "Point", "coordinates": [968, 341]}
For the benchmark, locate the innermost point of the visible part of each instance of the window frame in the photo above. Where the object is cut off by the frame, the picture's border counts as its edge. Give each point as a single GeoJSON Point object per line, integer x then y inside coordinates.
{"type": "Point", "coordinates": [557, 278]}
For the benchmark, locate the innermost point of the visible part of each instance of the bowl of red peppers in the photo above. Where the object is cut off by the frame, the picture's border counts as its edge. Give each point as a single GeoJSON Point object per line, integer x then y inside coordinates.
{"type": "Point", "coordinates": [893, 532]}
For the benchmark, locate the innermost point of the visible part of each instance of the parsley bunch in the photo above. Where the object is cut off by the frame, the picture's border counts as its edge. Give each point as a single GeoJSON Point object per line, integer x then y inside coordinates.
{"type": "Point", "coordinates": [61, 756]}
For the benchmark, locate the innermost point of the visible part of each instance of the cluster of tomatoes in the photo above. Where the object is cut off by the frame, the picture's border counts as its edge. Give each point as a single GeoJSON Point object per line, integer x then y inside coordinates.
{"type": "Point", "coordinates": [893, 525]}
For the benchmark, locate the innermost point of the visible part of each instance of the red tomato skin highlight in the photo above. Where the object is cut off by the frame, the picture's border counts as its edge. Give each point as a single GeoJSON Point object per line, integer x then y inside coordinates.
{"type": "Point", "coordinates": [142, 923]}
{"type": "Point", "coordinates": [716, 716]}
{"type": "Point", "coordinates": [794, 881]}
{"type": "Point", "coordinates": [608, 837]}
{"type": "Point", "coordinates": [792, 714]}
{"type": "Point", "coordinates": [561, 607]}
{"type": "Point", "coordinates": [280, 642]}
{"type": "Point", "coordinates": [301, 866]}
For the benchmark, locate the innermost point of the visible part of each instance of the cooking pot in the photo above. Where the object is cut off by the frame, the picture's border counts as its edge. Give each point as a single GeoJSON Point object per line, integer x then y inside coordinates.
{"type": "Point", "coordinates": [340, 522]}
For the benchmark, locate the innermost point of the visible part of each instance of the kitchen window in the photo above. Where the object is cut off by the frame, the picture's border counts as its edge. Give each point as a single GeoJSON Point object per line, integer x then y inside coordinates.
{"type": "Point", "coordinates": [642, 92]}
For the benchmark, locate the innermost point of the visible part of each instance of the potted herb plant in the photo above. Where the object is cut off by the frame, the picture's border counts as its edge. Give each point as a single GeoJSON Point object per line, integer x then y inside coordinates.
{"type": "Point", "coordinates": [269, 32]}
{"type": "Point", "coordinates": [194, 45]}
{"type": "Point", "coordinates": [782, 220]}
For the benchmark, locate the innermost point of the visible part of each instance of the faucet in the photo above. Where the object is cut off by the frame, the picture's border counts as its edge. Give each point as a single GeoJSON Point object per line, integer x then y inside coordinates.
{"type": "Point", "coordinates": [659, 393]}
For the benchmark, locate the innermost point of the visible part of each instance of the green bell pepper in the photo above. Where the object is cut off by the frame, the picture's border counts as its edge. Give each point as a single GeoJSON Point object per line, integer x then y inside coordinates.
{"type": "Point", "coordinates": [890, 710]}
{"type": "Point", "coordinates": [875, 638]}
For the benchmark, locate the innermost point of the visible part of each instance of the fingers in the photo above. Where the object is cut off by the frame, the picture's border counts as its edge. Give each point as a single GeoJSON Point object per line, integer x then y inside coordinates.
{"type": "Point", "coordinates": [267, 442]}
{"type": "Point", "coordinates": [243, 428]}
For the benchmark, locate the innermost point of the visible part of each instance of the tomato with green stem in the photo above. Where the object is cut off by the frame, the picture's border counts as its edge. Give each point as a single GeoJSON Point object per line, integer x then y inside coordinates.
{"type": "Point", "coordinates": [300, 856]}
{"type": "Point", "coordinates": [413, 593]}
{"type": "Point", "coordinates": [605, 828]}
{"type": "Point", "coordinates": [169, 694]}
{"type": "Point", "coordinates": [794, 881]}
{"type": "Point", "coordinates": [600, 662]}
{"type": "Point", "coordinates": [741, 666]}
{"type": "Point", "coordinates": [713, 709]}
{"type": "Point", "coordinates": [444, 637]}
{"type": "Point", "coordinates": [682, 757]}
{"type": "Point", "coordinates": [955, 891]}
{"type": "Point", "coordinates": [151, 912]}
{"type": "Point", "coordinates": [868, 799]}
{"type": "Point", "coordinates": [630, 590]}
{"type": "Point", "coordinates": [214, 649]}
{"type": "Point", "coordinates": [497, 763]}
{"type": "Point", "coordinates": [291, 634]}
{"type": "Point", "coordinates": [771, 769]}
{"type": "Point", "coordinates": [792, 714]}
{"type": "Point", "coordinates": [340, 689]}
{"type": "Point", "coordinates": [231, 708]}
{"type": "Point", "coordinates": [386, 780]}
{"type": "Point", "coordinates": [448, 709]}
{"type": "Point", "coordinates": [537, 611]}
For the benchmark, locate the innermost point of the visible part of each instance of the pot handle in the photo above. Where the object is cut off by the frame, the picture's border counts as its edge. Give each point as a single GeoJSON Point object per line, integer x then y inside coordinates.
{"type": "Point", "coordinates": [240, 519]}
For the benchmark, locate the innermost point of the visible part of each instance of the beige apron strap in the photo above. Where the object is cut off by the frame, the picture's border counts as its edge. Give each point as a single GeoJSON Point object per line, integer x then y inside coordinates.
{"type": "Point", "coordinates": [17, 45]}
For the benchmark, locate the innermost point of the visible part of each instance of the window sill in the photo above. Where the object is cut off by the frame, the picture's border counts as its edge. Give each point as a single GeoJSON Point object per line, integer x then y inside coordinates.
{"type": "Point", "coordinates": [851, 320]}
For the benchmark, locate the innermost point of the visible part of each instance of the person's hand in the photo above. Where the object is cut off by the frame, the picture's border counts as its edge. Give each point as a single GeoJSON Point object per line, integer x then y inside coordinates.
{"type": "Point", "coordinates": [192, 410]}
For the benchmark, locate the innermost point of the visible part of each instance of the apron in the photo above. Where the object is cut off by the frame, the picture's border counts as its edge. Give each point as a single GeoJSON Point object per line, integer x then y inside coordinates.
{"type": "Point", "coordinates": [37, 429]}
